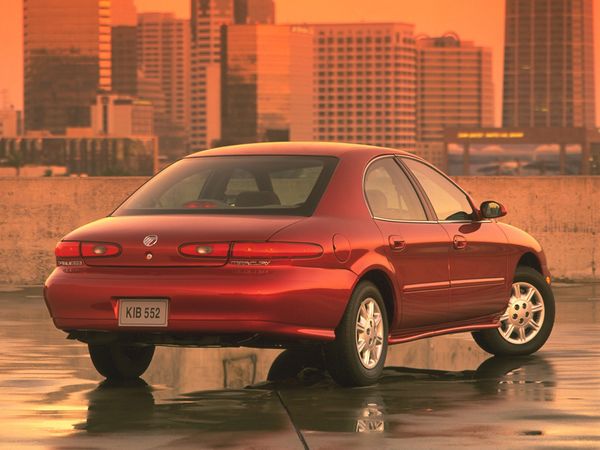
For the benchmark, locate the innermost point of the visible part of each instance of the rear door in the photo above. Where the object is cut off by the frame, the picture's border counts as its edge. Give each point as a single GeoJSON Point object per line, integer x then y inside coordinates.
{"type": "Point", "coordinates": [478, 254]}
{"type": "Point", "coordinates": [416, 246]}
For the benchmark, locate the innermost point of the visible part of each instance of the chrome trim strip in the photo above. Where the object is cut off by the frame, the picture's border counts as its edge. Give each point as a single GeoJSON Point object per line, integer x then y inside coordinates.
{"type": "Point", "coordinates": [476, 282]}
{"type": "Point", "coordinates": [426, 286]}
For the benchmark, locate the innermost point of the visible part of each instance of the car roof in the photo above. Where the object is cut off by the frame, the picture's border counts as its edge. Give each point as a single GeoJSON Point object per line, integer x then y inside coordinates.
{"type": "Point", "coordinates": [298, 148]}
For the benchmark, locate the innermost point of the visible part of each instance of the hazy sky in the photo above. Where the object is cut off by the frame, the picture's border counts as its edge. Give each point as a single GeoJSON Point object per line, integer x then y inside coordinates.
{"type": "Point", "coordinates": [481, 21]}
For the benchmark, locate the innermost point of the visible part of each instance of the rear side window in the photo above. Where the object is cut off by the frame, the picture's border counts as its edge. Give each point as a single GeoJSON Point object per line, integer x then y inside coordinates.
{"type": "Point", "coordinates": [390, 194]}
{"type": "Point", "coordinates": [234, 185]}
{"type": "Point", "coordinates": [448, 201]}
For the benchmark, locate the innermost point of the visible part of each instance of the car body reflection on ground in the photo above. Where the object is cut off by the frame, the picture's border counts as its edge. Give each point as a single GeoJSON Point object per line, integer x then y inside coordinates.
{"type": "Point", "coordinates": [122, 406]}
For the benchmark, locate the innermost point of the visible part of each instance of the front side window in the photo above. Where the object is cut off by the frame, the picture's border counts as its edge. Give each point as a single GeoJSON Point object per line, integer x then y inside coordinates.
{"type": "Point", "coordinates": [390, 194]}
{"type": "Point", "coordinates": [234, 185]}
{"type": "Point", "coordinates": [448, 201]}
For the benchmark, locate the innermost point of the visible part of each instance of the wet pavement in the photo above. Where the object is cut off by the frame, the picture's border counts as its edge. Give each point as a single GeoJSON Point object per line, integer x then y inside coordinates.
{"type": "Point", "coordinates": [436, 393]}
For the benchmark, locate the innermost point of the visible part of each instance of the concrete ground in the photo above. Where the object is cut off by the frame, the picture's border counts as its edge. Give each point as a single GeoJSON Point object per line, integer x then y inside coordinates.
{"type": "Point", "coordinates": [440, 392]}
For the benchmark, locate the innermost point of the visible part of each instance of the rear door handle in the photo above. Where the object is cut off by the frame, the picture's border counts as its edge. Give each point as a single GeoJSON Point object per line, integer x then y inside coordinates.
{"type": "Point", "coordinates": [397, 243]}
{"type": "Point", "coordinates": [460, 242]}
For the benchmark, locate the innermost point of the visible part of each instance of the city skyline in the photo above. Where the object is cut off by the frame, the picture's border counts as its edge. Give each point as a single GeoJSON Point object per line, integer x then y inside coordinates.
{"type": "Point", "coordinates": [457, 16]}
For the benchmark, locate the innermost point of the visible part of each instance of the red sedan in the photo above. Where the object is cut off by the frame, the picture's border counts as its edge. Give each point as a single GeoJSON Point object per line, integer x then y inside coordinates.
{"type": "Point", "coordinates": [328, 249]}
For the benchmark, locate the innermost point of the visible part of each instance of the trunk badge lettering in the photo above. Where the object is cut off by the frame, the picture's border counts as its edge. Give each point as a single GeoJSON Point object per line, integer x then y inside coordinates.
{"type": "Point", "coordinates": [150, 240]}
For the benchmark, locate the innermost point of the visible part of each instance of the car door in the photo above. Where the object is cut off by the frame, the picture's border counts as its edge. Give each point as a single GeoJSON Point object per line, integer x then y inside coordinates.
{"type": "Point", "coordinates": [479, 251]}
{"type": "Point", "coordinates": [416, 246]}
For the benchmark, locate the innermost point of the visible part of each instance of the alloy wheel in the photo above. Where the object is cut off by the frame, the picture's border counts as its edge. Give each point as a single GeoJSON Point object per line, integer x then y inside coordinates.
{"type": "Point", "coordinates": [369, 333]}
{"type": "Point", "coordinates": [524, 317]}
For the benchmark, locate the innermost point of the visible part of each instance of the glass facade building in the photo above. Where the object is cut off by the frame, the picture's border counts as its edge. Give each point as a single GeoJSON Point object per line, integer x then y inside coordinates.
{"type": "Point", "coordinates": [267, 83]}
{"type": "Point", "coordinates": [124, 59]}
{"type": "Point", "coordinates": [67, 59]}
{"type": "Point", "coordinates": [549, 64]}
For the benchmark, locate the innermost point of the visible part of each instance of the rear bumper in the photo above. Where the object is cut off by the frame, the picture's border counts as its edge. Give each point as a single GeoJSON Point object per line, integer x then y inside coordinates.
{"type": "Point", "coordinates": [286, 301]}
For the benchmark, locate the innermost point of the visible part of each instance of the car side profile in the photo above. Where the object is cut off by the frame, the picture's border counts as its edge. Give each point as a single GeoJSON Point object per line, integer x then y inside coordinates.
{"type": "Point", "coordinates": [332, 251]}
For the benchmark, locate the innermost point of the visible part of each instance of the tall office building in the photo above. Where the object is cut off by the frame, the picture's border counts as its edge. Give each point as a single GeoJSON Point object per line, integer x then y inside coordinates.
{"type": "Point", "coordinates": [124, 59]}
{"type": "Point", "coordinates": [163, 57]}
{"type": "Point", "coordinates": [67, 59]}
{"type": "Point", "coordinates": [207, 18]}
{"type": "Point", "coordinates": [454, 89]}
{"type": "Point", "coordinates": [365, 81]}
{"type": "Point", "coordinates": [549, 64]}
{"type": "Point", "coordinates": [268, 83]}
{"type": "Point", "coordinates": [254, 11]}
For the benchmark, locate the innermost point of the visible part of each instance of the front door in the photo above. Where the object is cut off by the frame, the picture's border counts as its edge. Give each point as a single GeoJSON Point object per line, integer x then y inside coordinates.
{"type": "Point", "coordinates": [418, 248]}
{"type": "Point", "coordinates": [478, 254]}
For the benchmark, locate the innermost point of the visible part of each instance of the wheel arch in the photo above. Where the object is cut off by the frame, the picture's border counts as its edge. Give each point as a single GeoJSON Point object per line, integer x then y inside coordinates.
{"type": "Point", "coordinates": [381, 279]}
{"type": "Point", "coordinates": [529, 259]}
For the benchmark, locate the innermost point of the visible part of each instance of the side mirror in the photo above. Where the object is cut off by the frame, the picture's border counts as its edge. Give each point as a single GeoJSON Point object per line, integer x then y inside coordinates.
{"type": "Point", "coordinates": [492, 210]}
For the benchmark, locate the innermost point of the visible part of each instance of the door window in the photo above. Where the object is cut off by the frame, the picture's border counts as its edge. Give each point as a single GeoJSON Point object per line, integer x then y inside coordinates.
{"type": "Point", "coordinates": [448, 201]}
{"type": "Point", "coordinates": [390, 194]}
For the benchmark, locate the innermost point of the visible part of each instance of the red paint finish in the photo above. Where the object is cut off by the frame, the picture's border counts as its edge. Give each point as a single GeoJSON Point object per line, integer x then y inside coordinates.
{"type": "Point", "coordinates": [287, 277]}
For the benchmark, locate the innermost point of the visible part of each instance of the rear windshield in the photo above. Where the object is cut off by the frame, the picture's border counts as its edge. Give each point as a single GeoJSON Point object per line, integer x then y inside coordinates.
{"type": "Point", "coordinates": [289, 185]}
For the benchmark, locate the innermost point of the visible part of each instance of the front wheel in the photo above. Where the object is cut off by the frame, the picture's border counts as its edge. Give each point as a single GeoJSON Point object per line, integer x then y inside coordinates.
{"type": "Point", "coordinates": [117, 361]}
{"type": "Point", "coordinates": [528, 320]}
{"type": "Point", "coordinates": [357, 355]}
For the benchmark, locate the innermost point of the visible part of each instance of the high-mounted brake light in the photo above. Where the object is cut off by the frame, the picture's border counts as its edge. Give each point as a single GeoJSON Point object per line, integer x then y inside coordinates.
{"type": "Point", "coordinates": [273, 250]}
{"type": "Point", "coordinates": [205, 250]}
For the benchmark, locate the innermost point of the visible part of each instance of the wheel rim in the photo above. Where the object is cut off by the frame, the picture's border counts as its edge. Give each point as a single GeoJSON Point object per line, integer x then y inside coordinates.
{"type": "Point", "coordinates": [369, 333]}
{"type": "Point", "coordinates": [524, 317]}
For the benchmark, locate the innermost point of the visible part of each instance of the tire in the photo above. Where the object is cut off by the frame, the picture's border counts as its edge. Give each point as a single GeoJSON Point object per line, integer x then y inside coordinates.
{"type": "Point", "coordinates": [342, 355]}
{"type": "Point", "coordinates": [289, 363]}
{"type": "Point", "coordinates": [496, 342]}
{"type": "Point", "coordinates": [117, 361]}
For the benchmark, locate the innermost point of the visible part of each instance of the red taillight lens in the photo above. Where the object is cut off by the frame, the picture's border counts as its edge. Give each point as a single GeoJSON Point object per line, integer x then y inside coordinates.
{"type": "Point", "coordinates": [67, 249]}
{"type": "Point", "coordinates": [97, 249]}
{"type": "Point", "coordinates": [205, 250]}
{"type": "Point", "coordinates": [270, 250]}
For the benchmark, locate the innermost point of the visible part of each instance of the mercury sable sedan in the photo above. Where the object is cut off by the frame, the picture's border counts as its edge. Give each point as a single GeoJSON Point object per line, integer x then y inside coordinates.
{"type": "Point", "coordinates": [335, 250]}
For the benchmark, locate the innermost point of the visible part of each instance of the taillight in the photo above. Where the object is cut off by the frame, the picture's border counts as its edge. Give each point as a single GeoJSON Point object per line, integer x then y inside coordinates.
{"type": "Point", "coordinates": [205, 250]}
{"type": "Point", "coordinates": [67, 249]}
{"type": "Point", "coordinates": [275, 250]}
{"type": "Point", "coordinates": [70, 253]}
{"type": "Point", "coordinates": [96, 249]}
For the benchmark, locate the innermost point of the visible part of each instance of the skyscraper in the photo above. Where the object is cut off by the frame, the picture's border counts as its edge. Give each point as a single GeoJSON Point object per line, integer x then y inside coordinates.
{"type": "Point", "coordinates": [124, 59]}
{"type": "Point", "coordinates": [548, 64]}
{"type": "Point", "coordinates": [254, 11]}
{"type": "Point", "coordinates": [454, 89]}
{"type": "Point", "coordinates": [268, 83]}
{"type": "Point", "coordinates": [365, 76]}
{"type": "Point", "coordinates": [163, 57]}
{"type": "Point", "coordinates": [67, 59]}
{"type": "Point", "coordinates": [207, 18]}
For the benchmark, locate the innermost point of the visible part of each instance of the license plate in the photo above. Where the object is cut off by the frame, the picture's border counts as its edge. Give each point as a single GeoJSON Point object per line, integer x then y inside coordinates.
{"type": "Point", "coordinates": [143, 313]}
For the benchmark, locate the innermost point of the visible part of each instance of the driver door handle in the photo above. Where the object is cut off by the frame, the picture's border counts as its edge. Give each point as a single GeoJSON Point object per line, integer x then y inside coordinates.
{"type": "Point", "coordinates": [397, 243]}
{"type": "Point", "coordinates": [460, 242]}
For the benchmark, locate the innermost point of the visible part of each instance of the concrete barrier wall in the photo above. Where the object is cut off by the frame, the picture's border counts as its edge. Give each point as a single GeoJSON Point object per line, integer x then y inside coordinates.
{"type": "Point", "coordinates": [561, 212]}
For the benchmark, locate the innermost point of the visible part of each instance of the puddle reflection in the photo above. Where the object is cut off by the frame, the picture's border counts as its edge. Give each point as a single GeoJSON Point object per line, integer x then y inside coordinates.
{"type": "Point", "coordinates": [315, 402]}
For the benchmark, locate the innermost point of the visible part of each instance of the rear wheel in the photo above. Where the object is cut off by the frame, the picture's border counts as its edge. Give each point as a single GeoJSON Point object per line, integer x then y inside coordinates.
{"type": "Point", "coordinates": [290, 363]}
{"type": "Point", "coordinates": [117, 361]}
{"type": "Point", "coordinates": [527, 322]}
{"type": "Point", "coordinates": [357, 355]}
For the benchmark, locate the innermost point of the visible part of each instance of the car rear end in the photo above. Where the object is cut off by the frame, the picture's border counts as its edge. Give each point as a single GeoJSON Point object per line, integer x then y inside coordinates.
{"type": "Point", "coordinates": [193, 258]}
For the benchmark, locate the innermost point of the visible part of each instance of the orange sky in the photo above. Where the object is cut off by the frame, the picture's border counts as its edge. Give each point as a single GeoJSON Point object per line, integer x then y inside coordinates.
{"type": "Point", "coordinates": [477, 20]}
